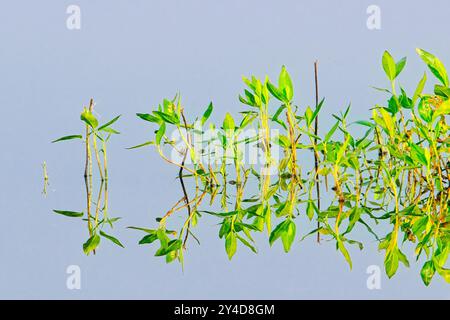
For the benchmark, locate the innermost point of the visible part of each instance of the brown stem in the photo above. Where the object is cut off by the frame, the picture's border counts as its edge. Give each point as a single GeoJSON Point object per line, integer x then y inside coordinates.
{"type": "Point", "coordinates": [183, 187]}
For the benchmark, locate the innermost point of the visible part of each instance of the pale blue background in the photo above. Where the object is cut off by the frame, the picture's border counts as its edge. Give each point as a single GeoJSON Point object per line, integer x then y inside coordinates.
{"type": "Point", "coordinates": [128, 55]}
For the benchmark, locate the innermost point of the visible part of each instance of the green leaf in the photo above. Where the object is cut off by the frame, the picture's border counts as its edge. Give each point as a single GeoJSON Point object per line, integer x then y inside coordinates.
{"type": "Point", "coordinates": [172, 245]}
{"type": "Point", "coordinates": [317, 110]}
{"type": "Point", "coordinates": [443, 109]}
{"type": "Point", "coordinates": [275, 92]}
{"type": "Point", "coordinates": [168, 105]}
{"type": "Point", "coordinates": [391, 262]}
{"type": "Point", "coordinates": [160, 133]}
{"type": "Point", "coordinates": [399, 66]}
{"type": "Point", "coordinates": [427, 272]}
{"type": "Point", "coordinates": [442, 91]}
{"type": "Point", "coordinates": [310, 209]}
{"type": "Point", "coordinates": [309, 116]}
{"type": "Point", "coordinates": [419, 88]}
{"type": "Point", "coordinates": [244, 226]}
{"type": "Point", "coordinates": [389, 122]}
{"type": "Point", "coordinates": [171, 256]}
{"type": "Point", "coordinates": [418, 154]}
{"type": "Point", "coordinates": [252, 100]}
{"type": "Point", "coordinates": [230, 244]}
{"type": "Point", "coordinates": [282, 140]}
{"type": "Point", "coordinates": [285, 230]}
{"type": "Point", "coordinates": [151, 231]}
{"type": "Point", "coordinates": [225, 228]}
{"type": "Point", "coordinates": [109, 130]}
{"type": "Point", "coordinates": [109, 123]}
{"type": "Point", "coordinates": [441, 254]}
{"type": "Point", "coordinates": [355, 214]}
{"type": "Point", "coordinates": [76, 136]}
{"type": "Point", "coordinates": [162, 237]}
{"type": "Point", "coordinates": [405, 101]}
{"type": "Point", "coordinates": [331, 132]}
{"type": "Point", "coordinates": [89, 118]}
{"type": "Point", "coordinates": [91, 244]}
{"type": "Point", "coordinates": [444, 273]}
{"type": "Point", "coordinates": [148, 117]}
{"type": "Point", "coordinates": [344, 252]}
{"type": "Point", "coordinates": [111, 238]}
{"type": "Point", "coordinates": [388, 65]}
{"type": "Point", "coordinates": [228, 123]}
{"type": "Point", "coordinates": [249, 103]}
{"type": "Point", "coordinates": [72, 214]}
{"type": "Point", "coordinates": [169, 118]}
{"type": "Point", "coordinates": [222, 214]}
{"type": "Point", "coordinates": [435, 65]}
{"type": "Point", "coordinates": [343, 148]}
{"type": "Point", "coordinates": [141, 145]}
{"type": "Point", "coordinates": [248, 119]}
{"type": "Point", "coordinates": [246, 243]}
{"type": "Point", "coordinates": [277, 232]}
{"type": "Point", "coordinates": [148, 238]}
{"type": "Point", "coordinates": [285, 84]}
{"type": "Point", "coordinates": [393, 105]}
{"type": "Point", "coordinates": [288, 236]}
{"type": "Point", "coordinates": [365, 123]}
{"type": "Point", "coordinates": [207, 113]}
{"type": "Point", "coordinates": [402, 258]}
{"type": "Point", "coordinates": [425, 111]}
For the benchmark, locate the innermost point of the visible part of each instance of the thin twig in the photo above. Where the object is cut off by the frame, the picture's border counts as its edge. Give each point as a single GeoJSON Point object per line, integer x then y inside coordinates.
{"type": "Point", "coordinates": [87, 171]}
{"type": "Point", "coordinates": [316, 160]}
{"type": "Point", "coordinates": [180, 176]}
{"type": "Point", "coordinates": [44, 169]}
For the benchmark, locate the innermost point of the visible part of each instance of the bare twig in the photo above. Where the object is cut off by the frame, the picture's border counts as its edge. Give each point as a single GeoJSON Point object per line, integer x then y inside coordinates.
{"type": "Point", "coordinates": [183, 187]}
{"type": "Point", "coordinates": [316, 160]}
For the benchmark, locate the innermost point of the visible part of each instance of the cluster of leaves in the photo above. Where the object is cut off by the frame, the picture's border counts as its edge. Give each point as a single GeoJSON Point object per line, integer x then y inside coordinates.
{"type": "Point", "coordinates": [96, 211]}
{"type": "Point", "coordinates": [412, 139]}
{"type": "Point", "coordinates": [396, 172]}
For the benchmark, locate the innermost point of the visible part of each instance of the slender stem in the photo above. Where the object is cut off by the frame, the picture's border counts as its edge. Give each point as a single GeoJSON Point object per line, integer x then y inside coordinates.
{"type": "Point", "coordinates": [44, 168]}
{"type": "Point", "coordinates": [291, 133]}
{"type": "Point", "coordinates": [97, 208]}
{"type": "Point", "coordinates": [239, 182]}
{"type": "Point", "coordinates": [174, 163]}
{"type": "Point", "coordinates": [292, 156]}
{"type": "Point", "coordinates": [97, 156]}
{"type": "Point", "coordinates": [105, 160]}
{"type": "Point", "coordinates": [183, 187]}
{"type": "Point", "coordinates": [265, 140]}
{"type": "Point", "coordinates": [88, 172]}
{"type": "Point", "coordinates": [340, 197]}
{"type": "Point", "coordinates": [316, 158]}
{"type": "Point", "coordinates": [105, 167]}
{"type": "Point", "coordinates": [180, 176]}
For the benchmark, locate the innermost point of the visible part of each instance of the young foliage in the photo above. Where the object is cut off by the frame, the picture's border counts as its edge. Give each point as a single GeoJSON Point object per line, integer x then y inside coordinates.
{"type": "Point", "coordinates": [95, 147]}
{"type": "Point", "coordinates": [395, 174]}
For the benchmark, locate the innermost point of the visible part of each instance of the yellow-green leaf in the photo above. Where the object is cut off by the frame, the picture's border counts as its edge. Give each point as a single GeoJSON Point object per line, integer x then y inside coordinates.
{"type": "Point", "coordinates": [89, 118]}
{"type": "Point", "coordinates": [388, 65]}
{"type": "Point", "coordinates": [91, 244]}
{"type": "Point", "coordinates": [230, 244]}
